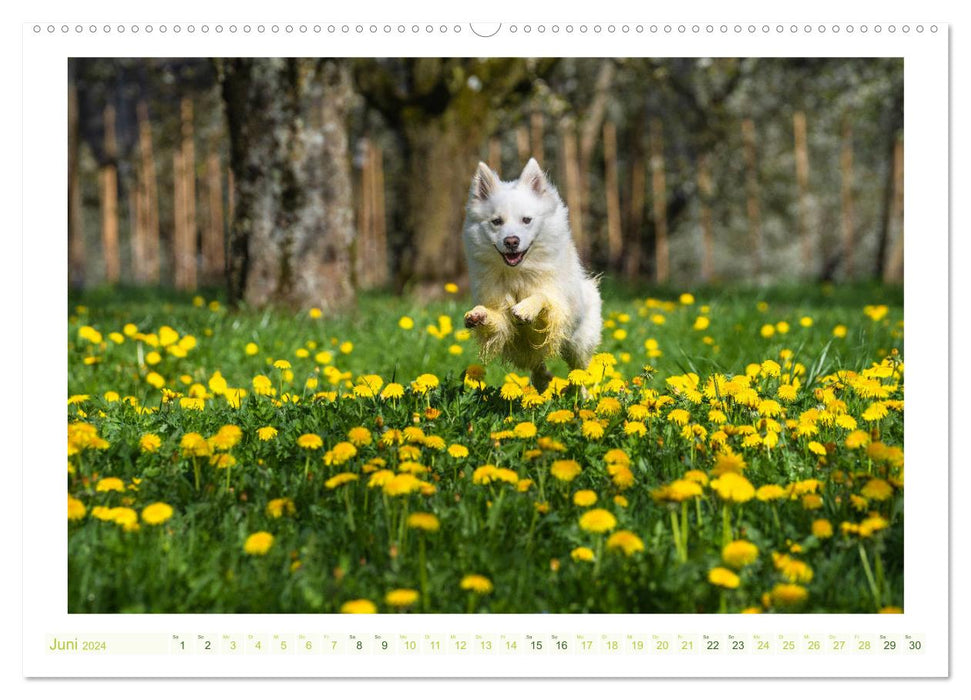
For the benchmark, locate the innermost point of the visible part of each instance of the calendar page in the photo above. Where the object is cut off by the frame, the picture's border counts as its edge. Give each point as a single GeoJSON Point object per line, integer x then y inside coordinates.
{"type": "Point", "coordinates": [447, 348]}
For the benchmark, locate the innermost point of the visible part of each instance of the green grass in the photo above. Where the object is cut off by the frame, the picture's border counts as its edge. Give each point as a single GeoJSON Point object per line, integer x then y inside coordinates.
{"type": "Point", "coordinates": [353, 542]}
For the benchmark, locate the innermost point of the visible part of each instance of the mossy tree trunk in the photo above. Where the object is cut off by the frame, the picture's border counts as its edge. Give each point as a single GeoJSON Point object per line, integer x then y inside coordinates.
{"type": "Point", "coordinates": [293, 225]}
{"type": "Point", "coordinates": [443, 153]}
{"type": "Point", "coordinates": [445, 110]}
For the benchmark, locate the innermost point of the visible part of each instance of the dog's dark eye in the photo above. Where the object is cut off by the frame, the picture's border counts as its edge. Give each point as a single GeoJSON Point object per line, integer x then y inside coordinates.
{"type": "Point", "coordinates": [527, 219]}
{"type": "Point", "coordinates": [497, 221]}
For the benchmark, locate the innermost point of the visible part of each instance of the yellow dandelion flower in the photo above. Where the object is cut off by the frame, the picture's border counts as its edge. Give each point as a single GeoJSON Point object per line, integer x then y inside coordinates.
{"type": "Point", "coordinates": [423, 521]}
{"type": "Point", "coordinates": [822, 529]}
{"type": "Point", "coordinates": [266, 433]}
{"type": "Point", "coordinates": [874, 412]}
{"type": "Point", "coordinates": [839, 331]}
{"type": "Point", "coordinates": [679, 416]}
{"type": "Point", "coordinates": [401, 597]}
{"type": "Point", "coordinates": [626, 541]}
{"type": "Point", "coordinates": [476, 583]}
{"type": "Point", "coordinates": [149, 442]}
{"type": "Point", "coordinates": [507, 475]}
{"type": "Point", "coordinates": [425, 382]}
{"type": "Point", "coordinates": [282, 364]}
{"type": "Point", "coordinates": [406, 322]}
{"type": "Point", "coordinates": [339, 480]}
{"type": "Point", "coordinates": [458, 451]}
{"type": "Point", "coordinates": [812, 501]}
{"type": "Point", "coordinates": [877, 490]}
{"type": "Point", "coordinates": [592, 430]}
{"type": "Point", "coordinates": [75, 508]}
{"type": "Point", "coordinates": [788, 594]}
{"type": "Point", "coordinates": [598, 520]}
{"type": "Point", "coordinates": [402, 485]}
{"type": "Point", "coordinates": [90, 334]}
{"type": "Point", "coordinates": [677, 491]}
{"type": "Point", "coordinates": [310, 441]}
{"type": "Point", "coordinates": [565, 469]}
{"type": "Point", "coordinates": [110, 483]}
{"type": "Point", "coordinates": [857, 439]}
{"type": "Point", "coordinates": [739, 553]}
{"type": "Point", "coordinates": [359, 436]}
{"type": "Point", "coordinates": [622, 477]}
{"type": "Point", "coordinates": [222, 461]}
{"type": "Point", "coordinates": [361, 606]}
{"type": "Point", "coordinates": [793, 570]}
{"type": "Point", "coordinates": [770, 408]}
{"type": "Point", "coordinates": [582, 554]}
{"type": "Point", "coordinates": [278, 507]}
{"type": "Point", "coordinates": [126, 517]}
{"type": "Point", "coordinates": [817, 448]}
{"type": "Point", "coordinates": [798, 488]}
{"type": "Point", "coordinates": [524, 430]}
{"type": "Point", "coordinates": [510, 391]}
{"type": "Point", "coordinates": [579, 377]}
{"type": "Point", "coordinates": [787, 392]}
{"type": "Point", "coordinates": [874, 523]}
{"type": "Point", "coordinates": [725, 578]}
{"type": "Point", "coordinates": [263, 385]}
{"type": "Point", "coordinates": [258, 543]}
{"type": "Point", "coordinates": [697, 476]}
{"type": "Point", "coordinates": [560, 416]}
{"type": "Point", "coordinates": [340, 453]}
{"type": "Point", "coordinates": [608, 406]}
{"type": "Point", "coordinates": [617, 457]}
{"type": "Point", "coordinates": [584, 498]}
{"type": "Point", "coordinates": [156, 513]}
{"type": "Point", "coordinates": [733, 487]}
{"type": "Point", "coordinates": [393, 390]}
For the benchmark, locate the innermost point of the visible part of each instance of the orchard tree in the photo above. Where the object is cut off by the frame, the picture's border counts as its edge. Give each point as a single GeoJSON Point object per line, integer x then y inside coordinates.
{"type": "Point", "coordinates": [291, 236]}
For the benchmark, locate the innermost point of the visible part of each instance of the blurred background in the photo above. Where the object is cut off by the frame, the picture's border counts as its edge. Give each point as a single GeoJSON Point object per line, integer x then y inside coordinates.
{"type": "Point", "coordinates": [305, 182]}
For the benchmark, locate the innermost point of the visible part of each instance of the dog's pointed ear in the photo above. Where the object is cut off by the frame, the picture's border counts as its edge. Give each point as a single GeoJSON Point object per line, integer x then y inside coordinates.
{"type": "Point", "coordinates": [533, 177]}
{"type": "Point", "coordinates": [485, 182]}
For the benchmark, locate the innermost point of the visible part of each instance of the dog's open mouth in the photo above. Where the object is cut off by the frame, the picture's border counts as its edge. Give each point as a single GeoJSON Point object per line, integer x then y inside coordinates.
{"type": "Point", "coordinates": [513, 259]}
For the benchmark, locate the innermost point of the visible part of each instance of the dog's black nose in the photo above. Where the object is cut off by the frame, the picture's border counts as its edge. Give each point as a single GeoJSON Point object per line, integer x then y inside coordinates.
{"type": "Point", "coordinates": [511, 242]}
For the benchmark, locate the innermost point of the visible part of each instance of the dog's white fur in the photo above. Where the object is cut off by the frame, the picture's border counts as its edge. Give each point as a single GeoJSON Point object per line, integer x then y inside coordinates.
{"type": "Point", "coordinates": [546, 304]}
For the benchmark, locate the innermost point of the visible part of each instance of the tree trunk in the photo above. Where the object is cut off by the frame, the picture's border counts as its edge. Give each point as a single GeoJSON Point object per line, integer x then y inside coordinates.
{"type": "Point", "coordinates": [802, 181]}
{"type": "Point", "coordinates": [705, 202]}
{"type": "Point", "coordinates": [442, 155]}
{"type": "Point", "coordinates": [637, 198]}
{"type": "Point", "coordinates": [109, 200]}
{"type": "Point", "coordinates": [615, 234]}
{"type": "Point", "coordinates": [293, 221]}
{"type": "Point", "coordinates": [894, 270]}
{"type": "Point", "coordinates": [662, 265]}
{"type": "Point", "coordinates": [846, 195]}
{"type": "Point", "coordinates": [75, 218]}
{"type": "Point", "coordinates": [145, 254]}
{"type": "Point", "coordinates": [752, 195]}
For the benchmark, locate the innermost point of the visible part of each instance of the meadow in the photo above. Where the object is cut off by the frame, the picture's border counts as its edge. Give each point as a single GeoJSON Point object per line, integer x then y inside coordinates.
{"type": "Point", "coordinates": [728, 450]}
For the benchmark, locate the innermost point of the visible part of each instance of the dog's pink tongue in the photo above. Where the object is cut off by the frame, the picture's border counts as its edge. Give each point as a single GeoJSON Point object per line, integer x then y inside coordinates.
{"type": "Point", "coordinates": [513, 258]}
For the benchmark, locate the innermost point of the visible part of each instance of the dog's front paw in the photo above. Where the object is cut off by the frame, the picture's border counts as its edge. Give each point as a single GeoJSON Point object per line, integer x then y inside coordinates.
{"type": "Point", "coordinates": [478, 316]}
{"type": "Point", "coordinates": [526, 311]}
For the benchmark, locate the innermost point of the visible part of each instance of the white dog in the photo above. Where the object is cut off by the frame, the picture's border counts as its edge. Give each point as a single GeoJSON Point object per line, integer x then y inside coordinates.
{"type": "Point", "coordinates": [533, 298]}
